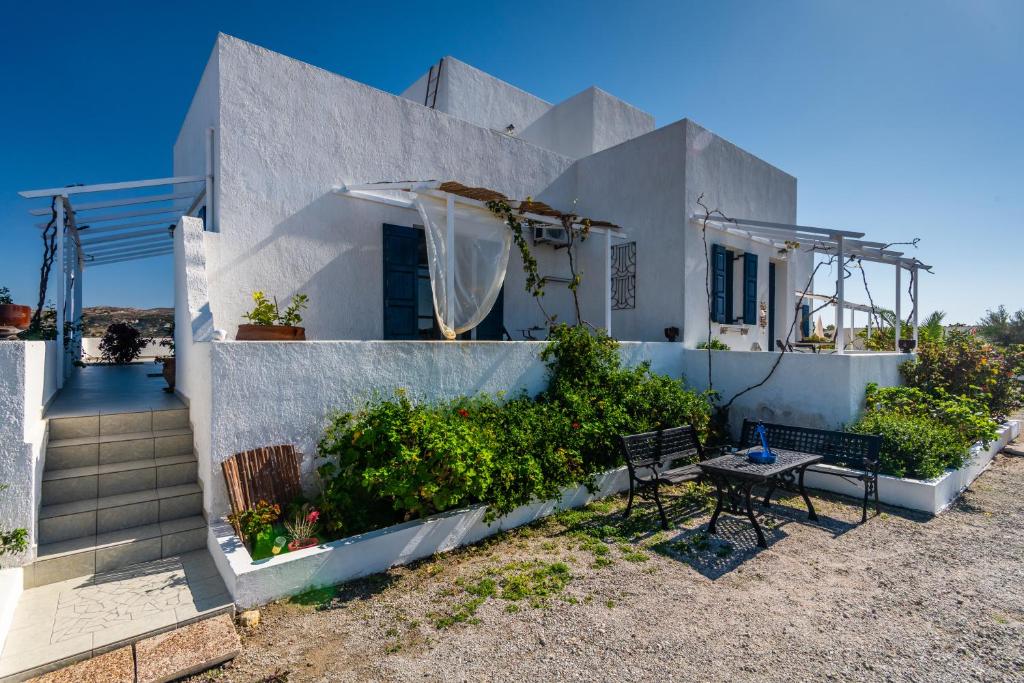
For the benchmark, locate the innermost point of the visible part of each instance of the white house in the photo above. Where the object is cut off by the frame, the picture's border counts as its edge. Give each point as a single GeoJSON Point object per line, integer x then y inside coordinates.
{"type": "Point", "coordinates": [290, 179]}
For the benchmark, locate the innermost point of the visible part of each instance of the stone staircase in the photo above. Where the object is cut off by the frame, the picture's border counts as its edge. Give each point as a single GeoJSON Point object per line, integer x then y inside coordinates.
{"type": "Point", "coordinates": [118, 489]}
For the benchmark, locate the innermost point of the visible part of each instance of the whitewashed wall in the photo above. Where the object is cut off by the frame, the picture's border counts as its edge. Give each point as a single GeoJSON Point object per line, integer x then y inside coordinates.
{"type": "Point", "coordinates": [287, 133]}
{"type": "Point", "coordinates": [27, 384]}
{"type": "Point", "coordinates": [91, 349]}
{"type": "Point", "coordinates": [741, 185]}
{"type": "Point", "coordinates": [284, 392]}
{"type": "Point", "coordinates": [811, 390]}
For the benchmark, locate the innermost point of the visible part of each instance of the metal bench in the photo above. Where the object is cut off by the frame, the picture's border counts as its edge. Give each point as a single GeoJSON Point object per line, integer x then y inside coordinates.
{"type": "Point", "coordinates": [857, 452]}
{"type": "Point", "coordinates": [651, 458]}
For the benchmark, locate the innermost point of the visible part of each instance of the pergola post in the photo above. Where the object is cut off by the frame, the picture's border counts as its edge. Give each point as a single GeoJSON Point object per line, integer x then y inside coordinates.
{"type": "Point", "coordinates": [61, 281]}
{"type": "Point", "coordinates": [608, 282]}
{"type": "Point", "coordinates": [76, 352]}
{"type": "Point", "coordinates": [917, 304]}
{"type": "Point", "coordinates": [899, 313]}
{"type": "Point", "coordinates": [840, 297]}
{"type": "Point", "coordinates": [449, 254]}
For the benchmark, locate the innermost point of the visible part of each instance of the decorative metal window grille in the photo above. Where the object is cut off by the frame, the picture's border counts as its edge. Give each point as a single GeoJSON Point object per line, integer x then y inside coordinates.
{"type": "Point", "coordinates": [624, 276]}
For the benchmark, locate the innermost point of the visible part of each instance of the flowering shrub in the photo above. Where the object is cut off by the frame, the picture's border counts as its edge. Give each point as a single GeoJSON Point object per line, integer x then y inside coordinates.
{"type": "Point", "coordinates": [303, 526]}
{"type": "Point", "coordinates": [967, 366]}
{"type": "Point", "coordinates": [256, 519]}
{"type": "Point", "coordinates": [397, 460]}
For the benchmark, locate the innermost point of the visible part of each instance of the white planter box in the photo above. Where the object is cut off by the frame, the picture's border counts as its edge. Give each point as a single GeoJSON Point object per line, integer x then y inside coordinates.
{"type": "Point", "coordinates": [932, 495]}
{"type": "Point", "coordinates": [254, 583]}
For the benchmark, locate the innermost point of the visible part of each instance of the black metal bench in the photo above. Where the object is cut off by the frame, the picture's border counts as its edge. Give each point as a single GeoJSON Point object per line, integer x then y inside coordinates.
{"type": "Point", "coordinates": [651, 457]}
{"type": "Point", "coordinates": [858, 452]}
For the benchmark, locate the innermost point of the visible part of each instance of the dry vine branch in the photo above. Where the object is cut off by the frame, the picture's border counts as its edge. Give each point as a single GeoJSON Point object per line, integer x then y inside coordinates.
{"type": "Point", "coordinates": [49, 237]}
{"type": "Point", "coordinates": [708, 213]}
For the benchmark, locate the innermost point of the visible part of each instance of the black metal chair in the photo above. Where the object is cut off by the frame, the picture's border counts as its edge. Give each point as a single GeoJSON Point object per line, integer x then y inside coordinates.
{"type": "Point", "coordinates": [651, 457]}
{"type": "Point", "coordinates": [857, 452]}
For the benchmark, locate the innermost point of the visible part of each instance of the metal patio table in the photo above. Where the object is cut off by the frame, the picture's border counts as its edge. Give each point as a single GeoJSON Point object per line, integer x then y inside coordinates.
{"type": "Point", "coordinates": [734, 474]}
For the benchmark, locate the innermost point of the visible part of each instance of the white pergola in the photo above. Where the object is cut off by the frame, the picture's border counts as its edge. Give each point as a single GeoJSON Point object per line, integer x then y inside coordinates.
{"type": "Point", "coordinates": [391, 193]}
{"type": "Point", "coordinates": [842, 244]}
{"type": "Point", "coordinates": [90, 235]}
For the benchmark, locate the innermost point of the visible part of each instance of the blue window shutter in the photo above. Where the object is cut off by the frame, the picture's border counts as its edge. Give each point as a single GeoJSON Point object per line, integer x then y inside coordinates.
{"type": "Point", "coordinates": [719, 260]}
{"type": "Point", "coordinates": [805, 320]}
{"type": "Point", "coordinates": [750, 289]}
{"type": "Point", "coordinates": [730, 298]}
{"type": "Point", "coordinates": [401, 257]}
{"type": "Point", "coordinates": [492, 327]}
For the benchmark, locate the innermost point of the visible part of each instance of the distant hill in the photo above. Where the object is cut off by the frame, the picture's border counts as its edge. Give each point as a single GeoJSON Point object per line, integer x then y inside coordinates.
{"type": "Point", "coordinates": [151, 322]}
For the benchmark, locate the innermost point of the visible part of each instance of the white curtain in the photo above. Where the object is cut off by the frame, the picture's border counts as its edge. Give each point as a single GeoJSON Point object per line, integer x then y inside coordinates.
{"type": "Point", "coordinates": [481, 248]}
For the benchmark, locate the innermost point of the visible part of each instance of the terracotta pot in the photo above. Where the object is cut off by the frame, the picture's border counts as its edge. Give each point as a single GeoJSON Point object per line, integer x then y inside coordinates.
{"type": "Point", "coordinates": [270, 333]}
{"type": "Point", "coordinates": [300, 543]}
{"type": "Point", "coordinates": [168, 371]}
{"type": "Point", "coordinates": [14, 315]}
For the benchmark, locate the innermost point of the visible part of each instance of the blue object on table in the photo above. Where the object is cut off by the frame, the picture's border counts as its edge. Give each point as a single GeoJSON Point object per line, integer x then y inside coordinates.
{"type": "Point", "coordinates": [765, 455]}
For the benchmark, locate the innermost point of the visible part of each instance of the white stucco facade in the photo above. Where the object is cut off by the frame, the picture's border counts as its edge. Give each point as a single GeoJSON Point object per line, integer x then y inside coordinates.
{"type": "Point", "coordinates": [287, 132]}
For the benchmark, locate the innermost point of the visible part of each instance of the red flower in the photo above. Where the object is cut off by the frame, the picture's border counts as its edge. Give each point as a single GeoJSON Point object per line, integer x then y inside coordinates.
{"type": "Point", "coordinates": [575, 425]}
{"type": "Point", "coordinates": [312, 517]}
{"type": "Point", "coordinates": [463, 412]}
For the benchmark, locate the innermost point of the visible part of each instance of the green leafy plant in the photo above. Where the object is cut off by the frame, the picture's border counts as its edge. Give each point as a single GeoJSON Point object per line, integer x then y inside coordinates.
{"type": "Point", "coordinates": [122, 343]}
{"type": "Point", "coordinates": [12, 540]}
{"type": "Point", "coordinates": [396, 459]}
{"type": "Point", "coordinates": [1000, 327]}
{"type": "Point", "coordinates": [267, 312]}
{"type": "Point", "coordinates": [715, 345]}
{"type": "Point", "coordinates": [965, 365]}
{"type": "Point", "coordinates": [923, 434]}
{"type": "Point", "coordinates": [252, 521]}
{"type": "Point", "coordinates": [5, 296]}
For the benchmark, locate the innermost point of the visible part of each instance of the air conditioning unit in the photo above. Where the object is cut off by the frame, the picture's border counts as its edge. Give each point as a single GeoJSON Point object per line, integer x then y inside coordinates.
{"type": "Point", "coordinates": [556, 237]}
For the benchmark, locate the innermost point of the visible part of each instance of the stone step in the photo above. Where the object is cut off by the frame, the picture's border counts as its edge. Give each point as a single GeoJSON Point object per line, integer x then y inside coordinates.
{"type": "Point", "coordinates": [96, 449]}
{"type": "Point", "coordinates": [98, 516]}
{"type": "Point", "coordinates": [76, 484]}
{"type": "Point", "coordinates": [117, 423]}
{"type": "Point", "coordinates": [94, 553]}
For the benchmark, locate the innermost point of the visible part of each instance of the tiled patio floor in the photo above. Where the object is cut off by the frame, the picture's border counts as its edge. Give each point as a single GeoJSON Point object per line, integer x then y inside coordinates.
{"type": "Point", "coordinates": [59, 623]}
{"type": "Point", "coordinates": [104, 389]}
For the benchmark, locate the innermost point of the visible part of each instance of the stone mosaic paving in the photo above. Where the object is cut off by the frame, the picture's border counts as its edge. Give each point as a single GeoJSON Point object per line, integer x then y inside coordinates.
{"type": "Point", "coordinates": [143, 591]}
{"type": "Point", "coordinates": [59, 623]}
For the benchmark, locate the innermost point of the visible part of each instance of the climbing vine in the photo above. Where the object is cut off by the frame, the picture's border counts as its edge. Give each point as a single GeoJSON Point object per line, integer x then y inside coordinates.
{"type": "Point", "coordinates": [575, 228]}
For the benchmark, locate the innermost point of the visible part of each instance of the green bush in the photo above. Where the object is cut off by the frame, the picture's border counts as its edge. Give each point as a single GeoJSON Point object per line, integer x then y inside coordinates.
{"type": "Point", "coordinates": [965, 365]}
{"type": "Point", "coordinates": [397, 460]}
{"type": "Point", "coordinates": [914, 446]}
{"type": "Point", "coordinates": [923, 434]}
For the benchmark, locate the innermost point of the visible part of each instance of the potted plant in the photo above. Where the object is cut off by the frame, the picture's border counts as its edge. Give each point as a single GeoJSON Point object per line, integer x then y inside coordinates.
{"type": "Point", "coordinates": [253, 521]}
{"type": "Point", "coordinates": [302, 529]}
{"type": "Point", "coordinates": [268, 323]}
{"type": "Point", "coordinates": [12, 314]}
{"type": "Point", "coordinates": [168, 361]}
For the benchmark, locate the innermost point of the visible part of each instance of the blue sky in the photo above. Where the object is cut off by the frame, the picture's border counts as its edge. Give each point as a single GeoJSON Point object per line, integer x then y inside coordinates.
{"type": "Point", "coordinates": [900, 119]}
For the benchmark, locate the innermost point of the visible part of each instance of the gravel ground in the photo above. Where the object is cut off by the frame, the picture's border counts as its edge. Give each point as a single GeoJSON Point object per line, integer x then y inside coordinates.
{"type": "Point", "coordinates": [901, 598]}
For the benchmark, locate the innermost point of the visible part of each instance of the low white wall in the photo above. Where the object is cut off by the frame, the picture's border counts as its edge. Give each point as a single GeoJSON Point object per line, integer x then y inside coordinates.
{"type": "Point", "coordinates": [91, 349]}
{"type": "Point", "coordinates": [11, 584]}
{"type": "Point", "coordinates": [27, 384]}
{"type": "Point", "coordinates": [824, 391]}
{"type": "Point", "coordinates": [255, 583]}
{"type": "Point", "coordinates": [932, 495]}
{"type": "Point", "coordinates": [284, 392]}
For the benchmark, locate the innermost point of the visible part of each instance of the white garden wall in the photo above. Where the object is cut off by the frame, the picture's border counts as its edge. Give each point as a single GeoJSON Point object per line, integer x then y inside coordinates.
{"type": "Point", "coordinates": [151, 351]}
{"type": "Point", "coordinates": [824, 391]}
{"type": "Point", "coordinates": [255, 583]}
{"type": "Point", "coordinates": [28, 381]}
{"type": "Point", "coordinates": [931, 495]}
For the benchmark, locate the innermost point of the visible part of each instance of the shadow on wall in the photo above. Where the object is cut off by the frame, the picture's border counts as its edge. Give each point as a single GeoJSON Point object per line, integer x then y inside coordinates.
{"type": "Point", "coordinates": [330, 250]}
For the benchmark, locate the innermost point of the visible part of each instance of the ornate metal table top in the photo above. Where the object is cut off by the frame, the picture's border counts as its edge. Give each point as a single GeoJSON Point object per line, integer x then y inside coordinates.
{"type": "Point", "coordinates": [737, 465]}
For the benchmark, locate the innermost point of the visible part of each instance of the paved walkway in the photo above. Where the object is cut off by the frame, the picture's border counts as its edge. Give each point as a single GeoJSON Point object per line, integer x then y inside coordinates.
{"type": "Point", "coordinates": [104, 389]}
{"type": "Point", "coordinates": [57, 624]}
